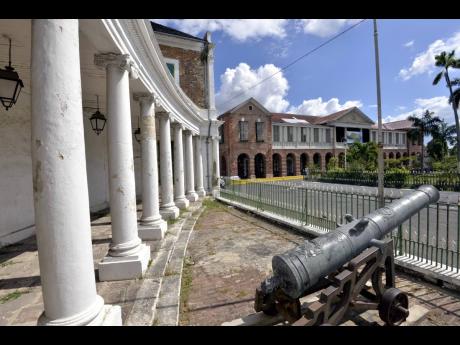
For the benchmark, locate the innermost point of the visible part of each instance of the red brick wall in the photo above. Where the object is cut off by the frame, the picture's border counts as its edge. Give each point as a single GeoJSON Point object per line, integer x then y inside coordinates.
{"type": "Point", "coordinates": [232, 147]}
{"type": "Point", "coordinates": [191, 72]}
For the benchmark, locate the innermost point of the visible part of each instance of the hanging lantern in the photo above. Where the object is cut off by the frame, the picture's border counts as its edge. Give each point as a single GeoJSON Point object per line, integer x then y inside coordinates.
{"type": "Point", "coordinates": [98, 120]}
{"type": "Point", "coordinates": [10, 84]}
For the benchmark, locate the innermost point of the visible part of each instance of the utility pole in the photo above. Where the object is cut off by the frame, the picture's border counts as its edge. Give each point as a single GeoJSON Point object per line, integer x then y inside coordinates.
{"type": "Point", "coordinates": [379, 116]}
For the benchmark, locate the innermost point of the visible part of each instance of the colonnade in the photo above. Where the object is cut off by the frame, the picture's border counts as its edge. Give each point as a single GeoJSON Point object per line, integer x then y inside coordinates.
{"type": "Point", "coordinates": [60, 180]}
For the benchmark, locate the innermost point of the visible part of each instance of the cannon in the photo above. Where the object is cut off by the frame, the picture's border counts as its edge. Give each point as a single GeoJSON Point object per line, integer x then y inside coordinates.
{"type": "Point", "coordinates": [351, 269]}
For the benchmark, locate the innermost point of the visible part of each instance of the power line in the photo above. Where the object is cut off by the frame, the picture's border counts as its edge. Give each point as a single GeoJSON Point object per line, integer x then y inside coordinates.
{"type": "Point", "coordinates": [297, 60]}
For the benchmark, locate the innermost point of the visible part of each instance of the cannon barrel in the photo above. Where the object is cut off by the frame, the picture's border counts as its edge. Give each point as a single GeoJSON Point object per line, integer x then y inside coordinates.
{"type": "Point", "coordinates": [300, 268]}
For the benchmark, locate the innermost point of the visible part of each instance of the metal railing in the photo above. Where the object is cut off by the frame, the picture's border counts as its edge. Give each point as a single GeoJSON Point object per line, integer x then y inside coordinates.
{"type": "Point", "coordinates": [431, 236]}
{"type": "Point", "coordinates": [441, 180]}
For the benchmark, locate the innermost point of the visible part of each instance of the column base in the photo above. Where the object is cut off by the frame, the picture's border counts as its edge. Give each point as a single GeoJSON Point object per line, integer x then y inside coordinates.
{"type": "Point", "coordinates": [171, 212]}
{"type": "Point", "coordinates": [125, 267]}
{"type": "Point", "coordinates": [110, 316]}
{"type": "Point", "coordinates": [201, 192]}
{"type": "Point", "coordinates": [192, 196]}
{"type": "Point", "coordinates": [153, 231]}
{"type": "Point", "coordinates": [97, 314]}
{"type": "Point", "coordinates": [182, 203]}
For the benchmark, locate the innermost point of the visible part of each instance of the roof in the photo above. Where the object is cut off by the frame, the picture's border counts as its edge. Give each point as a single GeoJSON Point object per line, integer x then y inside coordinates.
{"type": "Point", "coordinates": [313, 119]}
{"type": "Point", "coordinates": [170, 31]}
{"type": "Point", "coordinates": [395, 125]}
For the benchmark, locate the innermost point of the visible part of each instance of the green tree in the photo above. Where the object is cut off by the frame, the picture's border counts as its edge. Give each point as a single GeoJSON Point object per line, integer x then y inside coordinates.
{"type": "Point", "coordinates": [362, 156]}
{"type": "Point", "coordinates": [443, 135]}
{"type": "Point", "coordinates": [446, 61]}
{"type": "Point", "coordinates": [426, 125]}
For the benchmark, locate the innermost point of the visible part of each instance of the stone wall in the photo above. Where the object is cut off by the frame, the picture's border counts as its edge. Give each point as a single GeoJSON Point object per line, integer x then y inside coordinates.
{"type": "Point", "coordinates": [191, 72]}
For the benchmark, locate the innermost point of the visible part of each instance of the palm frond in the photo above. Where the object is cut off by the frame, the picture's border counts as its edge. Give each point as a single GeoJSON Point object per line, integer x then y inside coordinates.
{"type": "Point", "coordinates": [438, 78]}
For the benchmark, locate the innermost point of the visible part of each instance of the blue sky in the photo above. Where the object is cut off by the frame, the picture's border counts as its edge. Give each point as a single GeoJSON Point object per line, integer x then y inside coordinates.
{"type": "Point", "coordinates": [339, 75]}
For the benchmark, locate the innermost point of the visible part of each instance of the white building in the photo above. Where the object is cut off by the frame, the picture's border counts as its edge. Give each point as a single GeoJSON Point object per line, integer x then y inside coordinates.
{"type": "Point", "coordinates": [54, 168]}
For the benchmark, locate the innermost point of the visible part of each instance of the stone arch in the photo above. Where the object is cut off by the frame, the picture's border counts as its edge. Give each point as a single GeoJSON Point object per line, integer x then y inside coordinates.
{"type": "Point", "coordinates": [276, 158]}
{"type": "Point", "coordinates": [391, 155]}
{"type": "Point", "coordinates": [398, 155]}
{"type": "Point", "coordinates": [243, 166]}
{"type": "Point", "coordinates": [328, 158]}
{"type": "Point", "coordinates": [317, 160]}
{"type": "Point", "coordinates": [260, 166]}
{"type": "Point", "coordinates": [290, 164]}
{"type": "Point", "coordinates": [304, 160]}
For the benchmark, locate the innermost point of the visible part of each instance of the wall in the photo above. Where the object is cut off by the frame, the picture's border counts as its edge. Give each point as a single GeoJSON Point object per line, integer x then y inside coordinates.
{"type": "Point", "coordinates": [191, 72]}
{"type": "Point", "coordinates": [232, 147]}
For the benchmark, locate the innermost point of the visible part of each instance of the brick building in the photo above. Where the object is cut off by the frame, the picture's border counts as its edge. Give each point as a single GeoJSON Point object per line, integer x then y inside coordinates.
{"type": "Point", "coordinates": [257, 143]}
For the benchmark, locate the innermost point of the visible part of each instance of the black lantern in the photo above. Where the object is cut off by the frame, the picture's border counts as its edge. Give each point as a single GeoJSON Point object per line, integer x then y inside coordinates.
{"type": "Point", "coordinates": [98, 120]}
{"type": "Point", "coordinates": [10, 84]}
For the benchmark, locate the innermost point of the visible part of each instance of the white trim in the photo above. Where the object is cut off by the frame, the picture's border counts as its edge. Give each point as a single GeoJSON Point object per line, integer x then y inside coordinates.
{"type": "Point", "coordinates": [179, 42]}
{"type": "Point", "coordinates": [174, 62]}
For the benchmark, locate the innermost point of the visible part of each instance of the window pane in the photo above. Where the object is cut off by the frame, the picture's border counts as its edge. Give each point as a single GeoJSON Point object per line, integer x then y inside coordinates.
{"type": "Point", "coordinates": [171, 68]}
{"type": "Point", "coordinates": [276, 133]}
{"type": "Point", "coordinates": [244, 130]}
{"type": "Point", "coordinates": [316, 135]}
{"type": "Point", "coordinates": [259, 131]}
{"type": "Point", "coordinates": [328, 135]}
{"type": "Point", "coordinates": [290, 134]}
{"type": "Point", "coordinates": [303, 134]}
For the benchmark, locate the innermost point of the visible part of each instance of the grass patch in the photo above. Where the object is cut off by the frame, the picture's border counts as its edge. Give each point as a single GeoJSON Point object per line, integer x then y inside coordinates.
{"type": "Point", "coordinates": [212, 204]}
{"type": "Point", "coordinates": [11, 296]}
{"type": "Point", "coordinates": [186, 285]}
{"type": "Point", "coordinates": [170, 272]}
{"type": "Point", "coordinates": [150, 263]}
{"type": "Point", "coordinates": [7, 263]}
{"type": "Point", "coordinates": [241, 294]}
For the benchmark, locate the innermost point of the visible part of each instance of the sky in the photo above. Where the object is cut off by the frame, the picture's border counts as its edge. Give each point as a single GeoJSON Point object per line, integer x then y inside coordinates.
{"type": "Point", "coordinates": [339, 75]}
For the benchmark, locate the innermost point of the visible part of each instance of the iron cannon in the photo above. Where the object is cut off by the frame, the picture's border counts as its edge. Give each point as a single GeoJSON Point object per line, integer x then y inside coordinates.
{"type": "Point", "coordinates": [339, 264]}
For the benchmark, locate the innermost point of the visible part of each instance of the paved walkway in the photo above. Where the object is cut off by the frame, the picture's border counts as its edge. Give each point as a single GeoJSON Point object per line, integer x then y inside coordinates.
{"type": "Point", "coordinates": [229, 254]}
{"type": "Point", "coordinates": [21, 300]}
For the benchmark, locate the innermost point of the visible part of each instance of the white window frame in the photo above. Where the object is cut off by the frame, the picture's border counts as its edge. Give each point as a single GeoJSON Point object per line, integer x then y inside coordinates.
{"type": "Point", "coordinates": [174, 62]}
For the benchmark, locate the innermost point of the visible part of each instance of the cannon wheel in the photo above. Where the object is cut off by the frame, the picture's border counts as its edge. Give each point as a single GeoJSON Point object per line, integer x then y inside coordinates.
{"type": "Point", "coordinates": [394, 307]}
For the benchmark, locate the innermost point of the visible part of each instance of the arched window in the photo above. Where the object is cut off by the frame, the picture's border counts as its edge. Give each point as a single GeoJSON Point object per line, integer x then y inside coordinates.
{"type": "Point", "coordinates": [303, 163]}
{"type": "Point", "coordinates": [276, 165]}
{"type": "Point", "coordinates": [243, 165]}
{"type": "Point", "coordinates": [259, 165]}
{"type": "Point", "coordinates": [290, 164]}
{"type": "Point", "coordinates": [317, 160]}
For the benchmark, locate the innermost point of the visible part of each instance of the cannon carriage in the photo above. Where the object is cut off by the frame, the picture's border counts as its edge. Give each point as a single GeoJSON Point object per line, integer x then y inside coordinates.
{"type": "Point", "coordinates": [350, 270]}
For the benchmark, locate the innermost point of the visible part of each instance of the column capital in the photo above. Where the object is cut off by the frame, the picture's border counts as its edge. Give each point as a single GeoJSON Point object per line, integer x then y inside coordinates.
{"type": "Point", "coordinates": [178, 125]}
{"type": "Point", "coordinates": [144, 97]}
{"type": "Point", "coordinates": [122, 61]}
{"type": "Point", "coordinates": [164, 115]}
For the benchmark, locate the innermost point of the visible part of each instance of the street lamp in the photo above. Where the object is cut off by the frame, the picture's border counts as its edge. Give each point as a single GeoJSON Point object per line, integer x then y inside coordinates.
{"type": "Point", "coordinates": [10, 84]}
{"type": "Point", "coordinates": [345, 144]}
{"type": "Point", "coordinates": [97, 120]}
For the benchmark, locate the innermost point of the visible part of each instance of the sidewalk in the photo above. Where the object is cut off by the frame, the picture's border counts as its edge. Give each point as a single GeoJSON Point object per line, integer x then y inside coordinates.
{"type": "Point", "coordinates": [229, 254]}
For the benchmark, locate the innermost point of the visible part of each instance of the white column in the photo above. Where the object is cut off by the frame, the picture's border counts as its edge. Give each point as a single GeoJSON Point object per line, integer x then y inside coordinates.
{"type": "Point", "coordinates": [152, 226]}
{"type": "Point", "coordinates": [189, 167]}
{"type": "Point", "coordinates": [198, 164]}
{"type": "Point", "coordinates": [128, 257]}
{"type": "Point", "coordinates": [168, 209]}
{"type": "Point", "coordinates": [215, 164]}
{"type": "Point", "coordinates": [61, 202]}
{"type": "Point", "coordinates": [179, 187]}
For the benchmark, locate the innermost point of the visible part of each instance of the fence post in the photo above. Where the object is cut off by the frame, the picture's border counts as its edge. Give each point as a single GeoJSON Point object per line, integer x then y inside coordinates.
{"type": "Point", "coordinates": [400, 239]}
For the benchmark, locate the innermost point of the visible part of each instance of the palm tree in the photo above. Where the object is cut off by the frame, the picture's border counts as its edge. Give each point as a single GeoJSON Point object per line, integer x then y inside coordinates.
{"type": "Point", "coordinates": [446, 61]}
{"type": "Point", "coordinates": [443, 135]}
{"type": "Point", "coordinates": [426, 125]}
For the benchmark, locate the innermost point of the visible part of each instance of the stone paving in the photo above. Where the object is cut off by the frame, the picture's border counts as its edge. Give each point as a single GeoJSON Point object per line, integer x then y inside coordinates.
{"type": "Point", "coordinates": [21, 300]}
{"type": "Point", "coordinates": [230, 253]}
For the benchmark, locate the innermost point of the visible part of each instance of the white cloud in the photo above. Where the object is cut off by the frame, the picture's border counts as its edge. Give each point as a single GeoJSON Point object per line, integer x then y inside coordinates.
{"type": "Point", "coordinates": [439, 105]}
{"type": "Point", "coordinates": [325, 27]}
{"type": "Point", "coordinates": [319, 107]}
{"type": "Point", "coordinates": [271, 93]}
{"type": "Point", "coordinates": [239, 29]}
{"type": "Point", "coordinates": [424, 62]}
{"type": "Point", "coordinates": [409, 44]}
{"type": "Point", "coordinates": [372, 106]}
